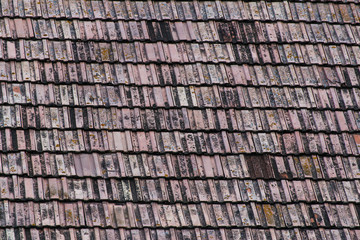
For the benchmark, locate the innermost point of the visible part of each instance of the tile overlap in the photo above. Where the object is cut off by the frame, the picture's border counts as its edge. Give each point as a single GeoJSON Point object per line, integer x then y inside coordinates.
{"type": "Point", "coordinates": [179, 119]}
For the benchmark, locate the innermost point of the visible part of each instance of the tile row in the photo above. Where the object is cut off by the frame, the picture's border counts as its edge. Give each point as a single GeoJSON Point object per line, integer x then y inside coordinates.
{"type": "Point", "coordinates": [179, 142]}
{"type": "Point", "coordinates": [119, 165]}
{"type": "Point", "coordinates": [178, 191]}
{"type": "Point", "coordinates": [185, 10]}
{"type": "Point", "coordinates": [70, 118]}
{"type": "Point", "coordinates": [183, 52]}
{"type": "Point", "coordinates": [138, 215]}
{"type": "Point", "coordinates": [266, 215]}
{"type": "Point", "coordinates": [176, 234]}
{"type": "Point", "coordinates": [97, 95]}
{"type": "Point", "coordinates": [168, 31]}
{"type": "Point", "coordinates": [179, 74]}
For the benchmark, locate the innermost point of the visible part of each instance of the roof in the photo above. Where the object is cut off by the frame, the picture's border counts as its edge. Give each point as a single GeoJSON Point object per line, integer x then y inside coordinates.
{"type": "Point", "coordinates": [179, 119]}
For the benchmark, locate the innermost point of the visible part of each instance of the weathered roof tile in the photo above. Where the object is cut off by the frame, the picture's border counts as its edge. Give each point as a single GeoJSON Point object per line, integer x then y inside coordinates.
{"type": "Point", "coordinates": [179, 119]}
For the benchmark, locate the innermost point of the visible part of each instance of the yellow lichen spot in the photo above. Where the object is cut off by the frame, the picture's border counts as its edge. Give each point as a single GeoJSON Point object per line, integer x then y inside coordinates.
{"type": "Point", "coordinates": [268, 213]}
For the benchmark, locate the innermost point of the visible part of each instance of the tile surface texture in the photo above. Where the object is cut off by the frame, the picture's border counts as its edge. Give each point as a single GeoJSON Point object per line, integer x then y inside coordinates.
{"type": "Point", "coordinates": [179, 119]}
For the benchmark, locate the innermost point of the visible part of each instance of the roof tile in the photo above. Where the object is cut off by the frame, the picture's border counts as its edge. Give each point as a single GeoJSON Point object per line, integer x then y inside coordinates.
{"type": "Point", "coordinates": [179, 119]}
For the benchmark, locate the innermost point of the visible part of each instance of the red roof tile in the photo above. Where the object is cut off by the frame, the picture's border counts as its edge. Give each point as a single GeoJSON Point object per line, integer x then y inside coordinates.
{"type": "Point", "coordinates": [179, 119]}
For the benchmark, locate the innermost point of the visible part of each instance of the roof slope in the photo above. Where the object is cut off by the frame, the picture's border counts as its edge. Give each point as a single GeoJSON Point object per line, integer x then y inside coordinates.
{"type": "Point", "coordinates": [179, 119]}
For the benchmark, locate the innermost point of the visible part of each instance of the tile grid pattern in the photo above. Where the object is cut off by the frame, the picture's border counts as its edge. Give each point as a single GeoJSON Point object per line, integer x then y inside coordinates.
{"type": "Point", "coordinates": [179, 119]}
